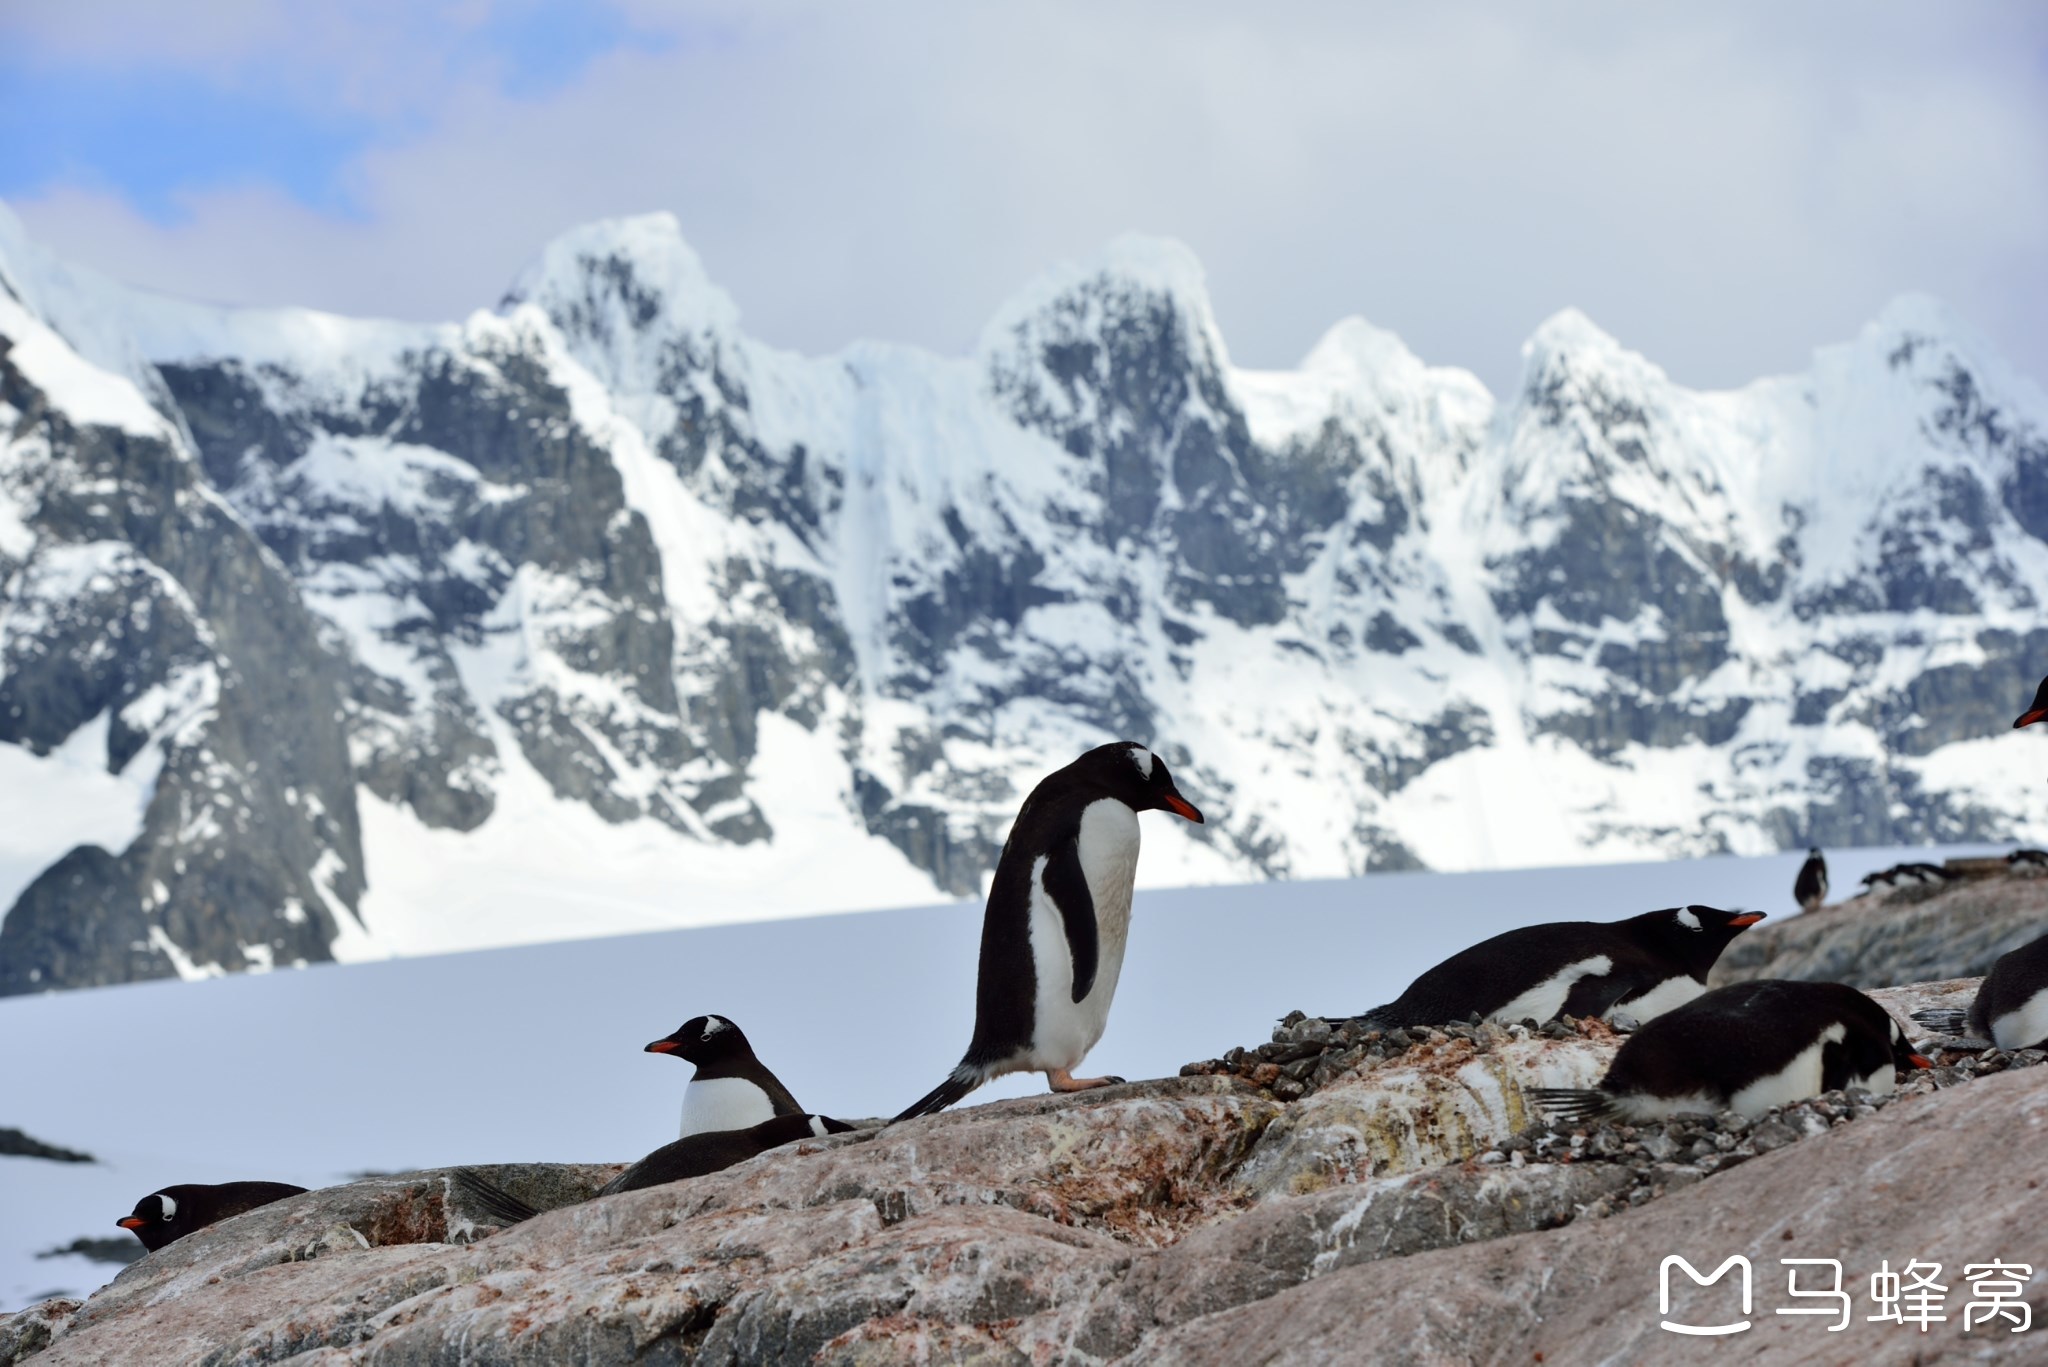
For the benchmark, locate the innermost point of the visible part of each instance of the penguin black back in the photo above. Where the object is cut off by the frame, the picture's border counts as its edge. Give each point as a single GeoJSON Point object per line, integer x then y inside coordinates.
{"type": "Point", "coordinates": [170, 1213]}
{"type": "Point", "coordinates": [1810, 888]}
{"type": "Point", "coordinates": [1747, 1047]}
{"type": "Point", "coordinates": [698, 1154]}
{"type": "Point", "coordinates": [1577, 968]}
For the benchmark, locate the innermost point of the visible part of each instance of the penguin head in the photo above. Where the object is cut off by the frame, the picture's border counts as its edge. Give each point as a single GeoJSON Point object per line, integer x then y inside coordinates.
{"type": "Point", "coordinates": [702, 1040]}
{"type": "Point", "coordinates": [1695, 935]}
{"type": "Point", "coordinates": [1903, 1056]}
{"type": "Point", "coordinates": [2039, 711]}
{"type": "Point", "coordinates": [160, 1218]}
{"type": "Point", "coordinates": [1136, 777]}
{"type": "Point", "coordinates": [1813, 852]}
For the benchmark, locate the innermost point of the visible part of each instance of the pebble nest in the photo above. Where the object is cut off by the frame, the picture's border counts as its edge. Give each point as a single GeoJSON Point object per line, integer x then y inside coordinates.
{"type": "Point", "coordinates": [1308, 1053]}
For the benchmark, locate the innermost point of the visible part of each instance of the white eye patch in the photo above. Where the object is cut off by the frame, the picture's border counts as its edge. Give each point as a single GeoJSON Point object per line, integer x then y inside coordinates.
{"type": "Point", "coordinates": [1687, 919]}
{"type": "Point", "coordinates": [714, 1024]}
{"type": "Point", "coordinates": [170, 1207]}
{"type": "Point", "coordinates": [1142, 757]}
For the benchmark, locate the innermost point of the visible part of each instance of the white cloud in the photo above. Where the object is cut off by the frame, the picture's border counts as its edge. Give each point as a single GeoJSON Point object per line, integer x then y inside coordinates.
{"type": "Point", "coordinates": [1722, 190]}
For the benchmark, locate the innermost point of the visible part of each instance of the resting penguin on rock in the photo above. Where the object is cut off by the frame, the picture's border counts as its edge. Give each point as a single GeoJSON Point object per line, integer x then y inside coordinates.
{"type": "Point", "coordinates": [170, 1213]}
{"type": "Point", "coordinates": [732, 1089]}
{"type": "Point", "coordinates": [1746, 1047]}
{"type": "Point", "coordinates": [1052, 939]}
{"type": "Point", "coordinates": [1810, 888]}
{"type": "Point", "coordinates": [2011, 1009]}
{"type": "Point", "coordinates": [1644, 965]}
{"type": "Point", "coordinates": [720, 1149]}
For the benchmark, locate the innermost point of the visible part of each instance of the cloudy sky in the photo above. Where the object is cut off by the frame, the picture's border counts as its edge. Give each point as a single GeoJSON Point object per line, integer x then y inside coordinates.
{"type": "Point", "coordinates": [1721, 188]}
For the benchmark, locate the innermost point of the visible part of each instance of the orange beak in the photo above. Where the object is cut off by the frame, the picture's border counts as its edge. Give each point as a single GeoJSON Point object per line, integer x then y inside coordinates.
{"type": "Point", "coordinates": [131, 1222]}
{"type": "Point", "coordinates": [662, 1046]}
{"type": "Point", "coordinates": [1180, 806]}
{"type": "Point", "coordinates": [2038, 714]}
{"type": "Point", "coordinates": [1748, 918]}
{"type": "Point", "coordinates": [1922, 1061]}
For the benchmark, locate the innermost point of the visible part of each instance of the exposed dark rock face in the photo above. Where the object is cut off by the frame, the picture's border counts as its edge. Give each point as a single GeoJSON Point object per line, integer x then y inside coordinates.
{"type": "Point", "coordinates": [599, 545]}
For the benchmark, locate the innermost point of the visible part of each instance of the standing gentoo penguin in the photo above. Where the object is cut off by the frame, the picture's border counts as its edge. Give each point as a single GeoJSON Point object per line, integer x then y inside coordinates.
{"type": "Point", "coordinates": [1648, 964]}
{"type": "Point", "coordinates": [2011, 1008]}
{"type": "Point", "coordinates": [170, 1213]}
{"type": "Point", "coordinates": [1052, 939]}
{"type": "Point", "coordinates": [732, 1090]}
{"type": "Point", "coordinates": [1810, 888]}
{"type": "Point", "coordinates": [697, 1154]}
{"type": "Point", "coordinates": [1746, 1047]}
{"type": "Point", "coordinates": [2039, 711]}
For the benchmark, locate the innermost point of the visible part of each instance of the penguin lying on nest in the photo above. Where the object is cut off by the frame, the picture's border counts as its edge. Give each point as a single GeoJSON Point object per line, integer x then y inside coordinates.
{"type": "Point", "coordinates": [731, 1089]}
{"type": "Point", "coordinates": [1644, 965]}
{"type": "Point", "coordinates": [168, 1214]}
{"type": "Point", "coordinates": [1746, 1047]}
{"type": "Point", "coordinates": [2011, 1007]}
{"type": "Point", "coordinates": [719, 1149]}
{"type": "Point", "coordinates": [1052, 939]}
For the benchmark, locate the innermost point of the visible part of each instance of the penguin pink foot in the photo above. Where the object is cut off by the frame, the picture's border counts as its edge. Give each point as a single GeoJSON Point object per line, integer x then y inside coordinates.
{"type": "Point", "coordinates": [1060, 1080]}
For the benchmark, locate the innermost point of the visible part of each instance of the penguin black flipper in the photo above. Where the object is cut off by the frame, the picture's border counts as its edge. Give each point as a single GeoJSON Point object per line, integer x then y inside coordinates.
{"type": "Point", "coordinates": [1598, 994]}
{"type": "Point", "coordinates": [1067, 885]}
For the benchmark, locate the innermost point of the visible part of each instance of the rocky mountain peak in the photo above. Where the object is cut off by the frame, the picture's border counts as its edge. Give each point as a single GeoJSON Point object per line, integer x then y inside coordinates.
{"type": "Point", "coordinates": [625, 293]}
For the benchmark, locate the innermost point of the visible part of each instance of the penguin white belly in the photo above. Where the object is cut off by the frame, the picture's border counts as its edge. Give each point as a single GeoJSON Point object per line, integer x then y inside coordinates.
{"type": "Point", "coordinates": [1062, 1029]}
{"type": "Point", "coordinates": [1796, 1081]}
{"type": "Point", "coordinates": [723, 1103]}
{"type": "Point", "coordinates": [1665, 996]}
{"type": "Point", "coordinates": [2024, 1028]}
{"type": "Point", "coordinates": [1547, 998]}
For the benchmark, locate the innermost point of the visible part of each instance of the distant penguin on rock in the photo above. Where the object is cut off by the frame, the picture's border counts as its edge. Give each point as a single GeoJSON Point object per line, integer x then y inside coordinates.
{"type": "Point", "coordinates": [1810, 888]}
{"type": "Point", "coordinates": [170, 1213]}
{"type": "Point", "coordinates": [2039, 710]}
{"type": "Point", "coordinates": [1052, 938]}
{"type": "Point", "coordinates": [2011, 1009]}
{"type": "Point", "coordinates": [717, 1150]}
{"type": "Point", "coordinates": [1746, 1048]}
{"type": "Point", "coordinates": [732, 1089]}
{"type": "Point", "coordinates": [1644, 965]}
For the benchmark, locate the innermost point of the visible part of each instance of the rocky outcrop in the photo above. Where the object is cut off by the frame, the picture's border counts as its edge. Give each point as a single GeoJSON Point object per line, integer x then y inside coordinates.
{"type": "Point", "coordinates": [1912, 933]}
{"type": "Point", "coordinates": [1400, 1209]}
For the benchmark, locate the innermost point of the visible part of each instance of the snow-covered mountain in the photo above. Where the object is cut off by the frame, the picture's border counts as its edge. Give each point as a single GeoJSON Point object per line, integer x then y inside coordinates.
{"type": "Point", "coordinates": [322, 636]}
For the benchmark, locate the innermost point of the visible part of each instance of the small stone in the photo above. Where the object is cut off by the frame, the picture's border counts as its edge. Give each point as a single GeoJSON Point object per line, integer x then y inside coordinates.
{"type": "Point", "coordinates": [1492, 1158]}
{"type": "Point", "coordinates": [1772, 1135]}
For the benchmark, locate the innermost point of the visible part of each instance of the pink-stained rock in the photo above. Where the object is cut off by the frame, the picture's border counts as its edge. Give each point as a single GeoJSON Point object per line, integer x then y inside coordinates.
{"type": "Point", "coordinates": [1385, 1217]}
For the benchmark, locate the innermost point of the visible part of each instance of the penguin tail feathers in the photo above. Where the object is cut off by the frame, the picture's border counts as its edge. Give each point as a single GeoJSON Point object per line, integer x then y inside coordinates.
{"type": "Point", "coordinates": [485, 1200]}
{"type": "Point", "coordinates": [958, 1083]}
{"type": "Point", "coordinates": [1571, 1104]}
{"type": "Point", "coordinates": [1949, 1020]}
{"type": "Point", "coordinates": [1379, 1018]}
